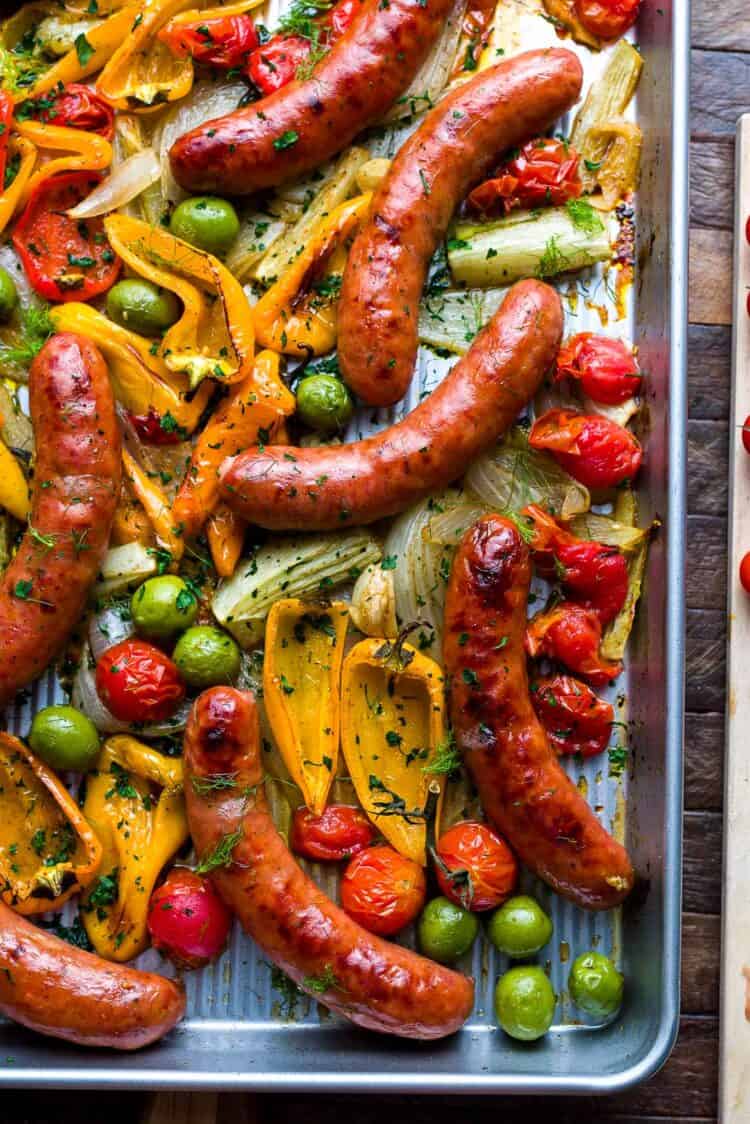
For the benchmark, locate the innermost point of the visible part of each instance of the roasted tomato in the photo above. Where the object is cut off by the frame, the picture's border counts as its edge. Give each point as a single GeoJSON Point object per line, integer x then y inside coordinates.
{"type": "Point", "coordinates": [276, 63]}
{"type": "Point", "coordinates": [383, 890]}
{"type": "Point", "coordinates": [745, 572]}
{"type": "Point", "coordinates": [475, 868]}
{"type": "Point", "coordinates": [6, 123]}
{"type": "Point", "coordinates": [75, 106]}
{"type": "Point", "coordinates": [596, 451]}
{"type": "Point", "coordinates": [64, 259]}
{"type": "Point", "coordinates": [138, 683]}
{"type": "Point", "coordinates": [571, 635]}
{"type": "Point", "coordinates": [607, 368]}
{"type": "Point", "coordinates": [543, 173]}
{"type": "Point", "coordinates": [187, 919]}
{"type": "Point", "coordinates": [608, 19]}
{"type": "Point", "coordinates": [340, 832]}
{"type": "Point", "coordinates": [153, 429]}
{"type": "Point", "coordinates": [576, 720]}
{"type": "Point", "coordinates": [224, 41]}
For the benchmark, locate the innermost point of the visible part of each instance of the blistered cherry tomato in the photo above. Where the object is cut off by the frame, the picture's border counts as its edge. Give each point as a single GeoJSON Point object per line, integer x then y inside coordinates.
{"type": "Point", "coordinates": [594, 450]}
{"type": "Point", "coordinates": [745, 572]}
{"type": "Point", "coordinates": [607, 368]}
{"type": "Point", "coordinates": [138, 683]}
{"type": "Point", "coordinates": [383, 890]}
{"type": "Point", "coordinates": [222, 41]}
{"type": "Point", "coordinates": [571, 635]}
{"type": "Point", "coordinates": [543, 173]}
{"type": "Point", "coordinates": [576, 720]}
{"type": "Point", "coordinates": [338, 833]}
{"type": "Point", "coordinates": [187, 919]}
{"type": "Point", "coordinates": [155, 429]}
{"type": "Point", "coordinates": [75, 106]}
{"type": "Point", "coordinates": [608, 19]}
{"type": "Point", "coordinates": [276, 63]}
{"type": "Point", "coordinates": [475, 867]}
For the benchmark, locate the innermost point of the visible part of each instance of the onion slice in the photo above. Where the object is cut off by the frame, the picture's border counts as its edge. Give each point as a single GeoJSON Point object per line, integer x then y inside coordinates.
{"type": "Point", "coordinates": [126, 182]}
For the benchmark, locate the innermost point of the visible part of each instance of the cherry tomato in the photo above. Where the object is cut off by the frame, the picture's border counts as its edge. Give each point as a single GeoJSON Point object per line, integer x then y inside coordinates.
{"type": "Point", "coordinates": [475, 868]}
{"type": "Point", "coordinates": [543, 173]}
{"type": "Point", "coordinates": [383, 890]}
{"type": "Point", "coordinates": [745, 572]}
{"type": "Point", "coordinates": [64, 259]}
{"type": "Point", "coordinates": [6, 123]}
{"type": "Point", "coordinates": [340, 832]}
{"type": "Point", "coordinates": [576, 720]}
{"type": "Point", "coordinates": [276, 63]}
{"type": "Point", "coordinates": [571, 635]}
{"type": "Point", "coordinates": [594, 450]}
{"type": "Point", "coordinates": [223, 41]}
{"type": "Point", "coordinates": [75, 106]}
{"type": "Point", "coordinates": [187, 919]}
{"type": "Point", "coordinates": [153, 429]}
{"type": "Point", "coordinates": [608, 19]}
{"type": "Point", "coordinates": [607, 368]}
{"type": "Point", "coordinates": [138, 683]}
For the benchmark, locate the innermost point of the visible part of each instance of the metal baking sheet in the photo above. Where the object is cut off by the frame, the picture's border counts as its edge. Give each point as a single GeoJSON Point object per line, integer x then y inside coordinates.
{"type": "Point", "coordinates": [236, 1035]}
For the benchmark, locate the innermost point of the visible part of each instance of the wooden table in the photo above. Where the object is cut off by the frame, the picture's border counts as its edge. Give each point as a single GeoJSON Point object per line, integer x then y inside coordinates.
{"type": "Point", "coordinates": [686, 1089]}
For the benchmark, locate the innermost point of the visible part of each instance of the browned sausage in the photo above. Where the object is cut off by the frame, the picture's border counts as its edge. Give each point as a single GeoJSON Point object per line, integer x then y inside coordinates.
{"type": "Point", "coordinates": [305, 123]}
{"type": "Point", "coordinates": [524, 791]}
{"type": "Point", "coordinates": [376, 984]}
{"type": "Point", "coordinates": [456, 146]}
{"type": "Point", "coordinates": [53, 988]}
{"type": "Point", "coordinates": [347, 485]}
{"type": "Point", "coordinates": [76, 485]}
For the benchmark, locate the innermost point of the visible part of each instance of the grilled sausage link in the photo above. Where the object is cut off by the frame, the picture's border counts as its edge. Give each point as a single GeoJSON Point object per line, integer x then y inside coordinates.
{"type": "Point", "coordinates": [305, 123]}
{"type": "Point", "coordinates": [456, 146]}
{"type": "Point", "coordinates": [76, 483]}
{"type": "Point", "coordinates": [347, 485]}
{"type": "Point", "coordinates": [524, 791]}
{"type": "Point", "coordinates": [376, 984]}
{"type": "Point", "coordinates": [51, 987]}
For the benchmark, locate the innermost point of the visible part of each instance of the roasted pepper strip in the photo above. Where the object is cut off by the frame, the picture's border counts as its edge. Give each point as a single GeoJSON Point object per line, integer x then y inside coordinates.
{"type": "Point", "coordinates": [143, 73]}
{"type": "Point", "coordinates": [301, 690]}
{"type": "Point", "coordinates": [143, 384]}
{"type": "Point", "coordinates": [214, 337]}
{"type": "Point", "coordinates": [298, 314]}
{"type": "Point", "coordinates": [84, 151]}
{"type": "Point", "coordinates": [155, 504]}
{"type": "Point", "coordinates": [250, 414]}
{"type": "Point", "coordinates": [11, 196]}
{"type": "Point", "coordinates": [392, 722]}
{"type": "Point", "coordinates": [139, 832]}
{"type": "Point", "coordinates": [225, 532]}
{"type": "Point", "coordinates": [47, 849]}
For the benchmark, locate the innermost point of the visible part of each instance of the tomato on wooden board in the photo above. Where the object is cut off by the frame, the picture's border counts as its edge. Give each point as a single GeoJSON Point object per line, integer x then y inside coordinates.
{"type": "Point", "coordinates": [745, 572]}
{"type": "Point", "coordinates": [571, 635]}
{"type": "Point", "coordinates": [187, 920]}
{"type": "Point", "coordinates": [224, 41]}
{"type": "Point", "coordinates": [607, 368]}
{"type": "Point", "coordinates": [75, 106]}
{"type": "Point", "coordinates": [338, 833]}
{"type": "Point", "coordinates": [6, 123]}
{"type": "Point", "coordinates": [475, 867]}
{"type": "Point", "coordinates": [594, 450]}
{"type": "Point", "coordinates": [382, 890]}
{"type": "Point", "coordinates": [138, 683]}
{"type": "Point", "coordinates": [576, 720]}
{"type": "Point", "coordinates": [543, 173]}
{"type": "Point", "coordinates": [65, 259]}
{"type": "Point", "coordinates": [608, 19]}
{"type": "Point", "coordinates": [276, 63]}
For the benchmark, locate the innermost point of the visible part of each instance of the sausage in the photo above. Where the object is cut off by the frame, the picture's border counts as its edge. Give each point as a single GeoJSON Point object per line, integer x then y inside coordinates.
{"type": "Point", "coordinates": [374, 983]}
{"type": "Point", "coordinates": [305, 123]}
{"type": "Point", "coordinates": [51, 987]}
{"type": "Point", "coordinates": [456, 146]}
{"type": "Point", "coordinates": [76, 484]}
{"type": "Point", "coordinates": [524, 791]}
{"type": "Point", "coordinates": [346, 485]}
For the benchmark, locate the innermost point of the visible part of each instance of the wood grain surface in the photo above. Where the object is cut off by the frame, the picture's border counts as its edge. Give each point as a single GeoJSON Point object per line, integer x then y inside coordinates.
{"type": "Point", "coordinates": [686, 1089]}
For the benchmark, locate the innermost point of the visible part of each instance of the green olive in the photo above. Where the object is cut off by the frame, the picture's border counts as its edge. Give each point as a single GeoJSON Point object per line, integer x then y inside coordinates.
{"type": "Point", "coordinates": [520, 927]}
{"type": "Point", "coordinates": [206, 222]}
{"type": "Point", "coordinates": [64, 738]}
{"type": "Point", "coordinates": [142, 306]}
{"type": "Point", "coordinates": [595, 985]}
{"type": "Point", "coordinates": [324, 403]}
{"type": "Point", "coordinates": [525, 1003]}
{"type": "Point", "coordinates": [446, 931]}
{"type": "Point", "coordinates": [206, 657]}
{"type": "Point", "coordinates": [163, 606]}
{"type": "Point", "coordinates": [8, 295]}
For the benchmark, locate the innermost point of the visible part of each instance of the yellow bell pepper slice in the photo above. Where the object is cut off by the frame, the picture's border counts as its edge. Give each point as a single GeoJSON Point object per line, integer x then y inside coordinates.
{"type": "Point", "coordinates": [47, 849]}
{"type": "Point", "coordinates": [142, 382]}
{"type": "Point", "coordinates": [11, 198]}
{"type": "Point", "coordinates": [103, 42]}
{"type": "Point", "coordinates": [298, 314]}
{"type": "Point", "coordinates": [143, 73]}
{"type": "Point", "coordinates": [139, 832]}
{"type": "Point", "coordinates": [14, 491]}
{"type": "Point", "coordinates": [392, 722]}
{"type": "Point", "coordinates": [155, 504]}
{"type": "Point", "coordinates": [84, 151]}
{"type": "Point", "coordinates": [301, 690]}
{"type": "Point", "coordinates": [214, 337]}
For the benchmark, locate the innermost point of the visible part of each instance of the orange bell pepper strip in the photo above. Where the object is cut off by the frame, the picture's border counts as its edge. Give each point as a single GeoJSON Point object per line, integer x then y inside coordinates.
{"type": "Point", "coordinates": [225, 532]}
